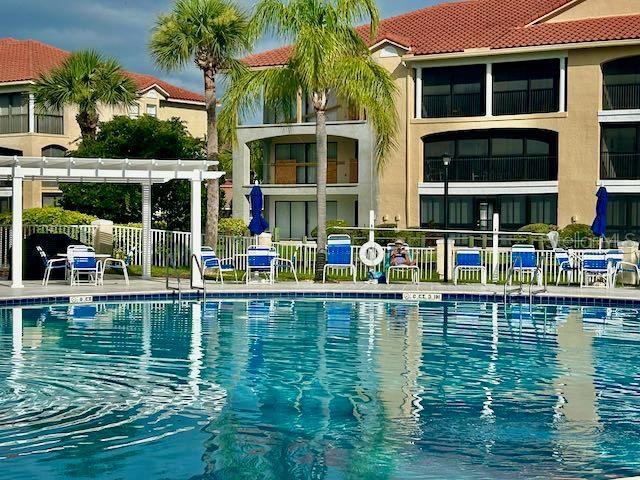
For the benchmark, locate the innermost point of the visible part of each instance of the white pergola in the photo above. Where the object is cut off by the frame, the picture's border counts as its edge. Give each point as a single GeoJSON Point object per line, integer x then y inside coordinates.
{"type": "Point", "coordinates": [107, 170]}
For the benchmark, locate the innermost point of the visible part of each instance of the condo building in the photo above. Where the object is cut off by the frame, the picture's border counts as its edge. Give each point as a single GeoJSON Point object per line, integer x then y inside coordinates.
{"type": "Point", "coordinates": [26, 129]}
{"type": "Point", "coordinates": [537, 102]}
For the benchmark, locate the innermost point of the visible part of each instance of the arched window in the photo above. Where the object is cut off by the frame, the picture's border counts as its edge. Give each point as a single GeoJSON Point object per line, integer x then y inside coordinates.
{"type": "Point", "coordinates": [621, 84]}
{"type": "Point", "coordinates": [54, 151]}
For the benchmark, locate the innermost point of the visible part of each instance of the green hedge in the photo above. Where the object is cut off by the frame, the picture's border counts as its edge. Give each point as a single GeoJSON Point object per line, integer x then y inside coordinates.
{"type": "Point", "coordinates": [232, 226]}
{"type": "Point", "coordinates": [49, 216]}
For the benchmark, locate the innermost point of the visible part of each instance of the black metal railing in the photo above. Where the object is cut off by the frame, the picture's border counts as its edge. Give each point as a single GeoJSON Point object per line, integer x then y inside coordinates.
{"type": "Point", "coordinates": [49, 124]}
{"type": "Point", "coordinates": [621, 166]}
{"type": "Point", "coordinates": [14, 123]}
{"type": "Point", "coordinates": [456, 105]}
{"type": "Point", "coordinates": [621, 96]}
{"type": "Point", "coordinates": [502, 168]}
{"type": "Point", "coordinates": [517, 102]}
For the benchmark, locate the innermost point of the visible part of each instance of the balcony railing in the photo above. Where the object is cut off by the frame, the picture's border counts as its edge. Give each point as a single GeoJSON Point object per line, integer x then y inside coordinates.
{"type": "Point", "coordinates": [525, 101]}
{"type": "Point", "coordinates": [14, 123]}
{"type": "Point", "coordinates": [457, 105]}
{"type": "Point", "coordinates": [49, 124]}
{"type": "Point", "coordinates": [619, 166]}
{"type": "Point", "coordinates": [507, 168]}
{"type": "Point", "coordinates": [290, 172]}
{"type": "Point", "coordinates": [621, 96]}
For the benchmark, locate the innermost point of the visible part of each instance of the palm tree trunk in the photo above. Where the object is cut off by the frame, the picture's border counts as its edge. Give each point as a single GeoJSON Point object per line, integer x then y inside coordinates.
{"type": "Point", "coordinates": [321, 191]}
{"type": "Point", "coordinates": [88, 123]}
{"type": "Point", "coordinates": [213, 186]}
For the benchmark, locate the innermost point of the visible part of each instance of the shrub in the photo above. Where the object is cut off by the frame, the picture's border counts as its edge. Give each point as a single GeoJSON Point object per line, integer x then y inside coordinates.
{"type": "Point", "coordinates": [535, 228]}
{"type": "Point", "coordinates": [577, 235]}
{"type": "Point", "coordinates": [332, 228]}
{"type": "Point", "coordinates": [49, 216]}
{"type": "Point", "coordinates": [232, 226]}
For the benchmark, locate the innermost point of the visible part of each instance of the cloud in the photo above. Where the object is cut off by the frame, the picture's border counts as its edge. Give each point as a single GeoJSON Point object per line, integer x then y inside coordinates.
{"type": "Point", "coordinates": [119, 28]}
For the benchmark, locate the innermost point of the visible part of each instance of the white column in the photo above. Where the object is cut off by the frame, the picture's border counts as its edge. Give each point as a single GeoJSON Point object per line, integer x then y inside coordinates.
{"type": "Point", "coordinates": [489, 90]}
{"type": "Point", "coordinates": [196, 228]}
{"type": "Point", "coordinates": [495, 253]}
{"type": "Point", "coordinates": [146, 230]}
{"type": "Point", "coordinates": [16, 231]}
{"type": "Point", "coordinates": [418, 112]}
{"type": "Point", "coordinates": [563, 84]}
{"type": "Point", "coordinates": [32, 113]}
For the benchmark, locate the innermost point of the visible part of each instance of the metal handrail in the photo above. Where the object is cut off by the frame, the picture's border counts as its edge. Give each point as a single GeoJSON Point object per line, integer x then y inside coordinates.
{"type": "Point", "coordinates": [171, 261]}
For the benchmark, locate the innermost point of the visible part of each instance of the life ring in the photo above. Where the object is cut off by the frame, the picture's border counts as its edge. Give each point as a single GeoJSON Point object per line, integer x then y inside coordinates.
{"type": "Point", "coordinates": [371, 254]}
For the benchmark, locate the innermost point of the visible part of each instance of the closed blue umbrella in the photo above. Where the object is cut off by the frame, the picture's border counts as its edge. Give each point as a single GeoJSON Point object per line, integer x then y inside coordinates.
{"type": "Point", "coordinates": [258, 224]}
{"type": "Point", "coordinates": [599, 226]}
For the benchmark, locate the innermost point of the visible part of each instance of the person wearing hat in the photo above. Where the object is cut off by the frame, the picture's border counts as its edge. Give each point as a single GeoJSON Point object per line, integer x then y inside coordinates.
{"type": "Point", "coordinates": [400, 255]}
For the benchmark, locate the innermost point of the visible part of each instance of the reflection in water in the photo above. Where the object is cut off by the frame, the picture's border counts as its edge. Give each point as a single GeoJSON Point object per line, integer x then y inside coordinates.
{"type": "Point", "coordinates": [318, 389]}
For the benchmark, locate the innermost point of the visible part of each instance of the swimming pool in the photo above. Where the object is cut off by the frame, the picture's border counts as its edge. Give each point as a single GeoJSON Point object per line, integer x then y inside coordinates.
{"type": "Point", "coordinates": [319, 389]}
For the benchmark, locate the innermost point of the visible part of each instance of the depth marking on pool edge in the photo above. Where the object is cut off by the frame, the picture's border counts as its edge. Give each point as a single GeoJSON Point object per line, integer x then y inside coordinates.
{"type": "Point", "coordinates": [81, 299]}
{"type": "Point", "coordinates": [424, 296]}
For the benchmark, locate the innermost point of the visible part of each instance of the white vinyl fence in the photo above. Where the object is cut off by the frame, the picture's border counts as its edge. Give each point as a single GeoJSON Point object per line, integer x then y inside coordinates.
{"type": "Point", "coordinates": [170, 247]}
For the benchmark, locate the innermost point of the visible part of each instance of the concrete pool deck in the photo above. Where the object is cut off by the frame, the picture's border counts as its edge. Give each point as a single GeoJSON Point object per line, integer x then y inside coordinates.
{"type": "Point", "coordinates": [115, 287]}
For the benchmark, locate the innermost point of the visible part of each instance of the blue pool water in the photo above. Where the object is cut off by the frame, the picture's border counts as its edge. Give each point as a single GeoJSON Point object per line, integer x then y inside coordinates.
{"type": "Point", "coordinates": [318, 389]}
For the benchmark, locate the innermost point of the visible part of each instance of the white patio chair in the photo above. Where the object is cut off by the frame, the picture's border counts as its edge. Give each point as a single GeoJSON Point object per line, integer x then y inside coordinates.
{"type": "Point", "coordinates": [469, 260]}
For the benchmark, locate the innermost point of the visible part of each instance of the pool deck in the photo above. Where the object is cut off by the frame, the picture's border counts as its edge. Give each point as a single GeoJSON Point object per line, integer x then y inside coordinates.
{"type": "Point", "coordinates": [34, 290]}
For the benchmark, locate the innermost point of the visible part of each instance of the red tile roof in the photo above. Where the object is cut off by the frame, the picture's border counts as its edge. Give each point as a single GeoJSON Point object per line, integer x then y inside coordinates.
{"type": "Point", "coordinates": [23, 60]}
{"type": "Point", "coordinates": [455, 27]}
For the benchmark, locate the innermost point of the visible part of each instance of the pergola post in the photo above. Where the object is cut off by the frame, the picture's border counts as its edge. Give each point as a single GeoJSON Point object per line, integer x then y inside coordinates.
{"type": "Point", "coordinates": [16, 230]}
{"type": "Point", "coordinates": [196, 228]}
{"type": "Point", "coordinates": [146, 230]}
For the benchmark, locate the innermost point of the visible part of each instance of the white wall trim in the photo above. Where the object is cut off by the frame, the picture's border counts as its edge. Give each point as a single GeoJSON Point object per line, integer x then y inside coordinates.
{"type": "Point", "coordinates": [489, 188]}
{"type": "Point", "coordinates": [618, 116]}
{"type": "Point", "coordinates": [418, 102]}
{"type": "Point", "coordinates": [621, 186]}
{"type": "Point", "coordinates": [478, 59]}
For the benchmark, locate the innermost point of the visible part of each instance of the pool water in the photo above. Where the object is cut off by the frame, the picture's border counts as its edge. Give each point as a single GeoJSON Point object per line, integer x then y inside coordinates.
{"type": "Point", "coordinates": [316, 389]}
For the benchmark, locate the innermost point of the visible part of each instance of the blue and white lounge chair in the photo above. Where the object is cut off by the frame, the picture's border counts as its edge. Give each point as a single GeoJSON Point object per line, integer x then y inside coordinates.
{"type": "Point", "coordinates": [261, 259]}
{"type": "Point", "coordinates": [82, 261]}
{"type": "Point", "coordinates": [50, 264]}
{"type": "Point", "coordinates": [469, 260]}
{"type": "Point", "coordinates": [389, 267]}
{"type": "Point", "coordinates": [339, 255]}
{"type": "Point", "coordinates": [210, 261]}
{"type": "Point", "coordinates": [524, 261]}
{"type": "Point", "coordinates": [565, 265]}
{"type": "Point", "coordinates": [595, 268]}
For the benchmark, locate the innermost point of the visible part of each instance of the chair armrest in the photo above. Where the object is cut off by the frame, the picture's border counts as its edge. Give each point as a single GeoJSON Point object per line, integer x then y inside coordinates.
{"type": "Point", "coordinates": [51, 261]}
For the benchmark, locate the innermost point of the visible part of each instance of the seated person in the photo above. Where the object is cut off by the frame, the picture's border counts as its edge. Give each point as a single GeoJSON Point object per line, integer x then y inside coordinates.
{"type": "Point", "coordinates": [400, 255]}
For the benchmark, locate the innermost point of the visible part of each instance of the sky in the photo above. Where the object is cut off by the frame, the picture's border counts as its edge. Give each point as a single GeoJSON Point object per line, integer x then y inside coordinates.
{"type": "Point", "coordinates": [120, 28]}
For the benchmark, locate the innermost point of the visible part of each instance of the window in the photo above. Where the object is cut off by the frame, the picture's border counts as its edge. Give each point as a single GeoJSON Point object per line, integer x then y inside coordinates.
{"type": "Point", "coordinates": [152, 110]}
{"type": "Point", "coordinates": [623, 215]}
{"type": "Point", "coordinates": [621, 84]}
{"type": "Point", "coordinates": [14, 113]}
{"type": "Point", "coordinates": [473, 212]}
{"type": "Point", "coordinates": [50, 199]}
{"type": "Point", "coordinates": [53, 151]}
{"type": "Point", "coordinates": [526, 87]}
{"type": "Point", "coordinates": [453, 91]}
{"type": "Point", "coordinates": [50, 120]}
{"type": "Point", "coordinates": [134, 111]}
{"type": "Point", "coordinates": [285, 113]}
{"type": "Point", "coordinates": [298, 219]}
{"type": "Point", "coordinates": [620, 152]}
{"type": "Point", "coordinates": [295, 163]}
{"type": "Point", "coordinates": [498, 155]}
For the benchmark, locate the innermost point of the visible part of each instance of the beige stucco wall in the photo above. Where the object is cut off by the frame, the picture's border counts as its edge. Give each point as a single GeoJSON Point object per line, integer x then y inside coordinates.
{"type": "Point", "coordinates": [596, 8]}
{"type": "Point", "coordinates": [578, 139]}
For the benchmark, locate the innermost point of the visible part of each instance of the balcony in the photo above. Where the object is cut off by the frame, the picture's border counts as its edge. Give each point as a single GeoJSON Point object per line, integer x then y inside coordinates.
{"type": "Point", "coordinates": [292, 172]}
{"type": "Point", "coordinates": [506, 168]}
{"type": "Point", "coordinates": [619, 166]}
{"type": "Point", "coordinates": [516, 102]}
{"type": "Point", "coordinates": [621, 96]}
{"type": "Point", "coordinates": [456, 105]}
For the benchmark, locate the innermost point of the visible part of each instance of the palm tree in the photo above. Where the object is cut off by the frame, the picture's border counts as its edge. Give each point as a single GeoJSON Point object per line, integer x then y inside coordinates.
{"type": "Point", "coordinates": [213, 34]}
{"type": "Point", "coordinates": [86, 79]}
{"type": "Point", "coordinates": [327, 57]}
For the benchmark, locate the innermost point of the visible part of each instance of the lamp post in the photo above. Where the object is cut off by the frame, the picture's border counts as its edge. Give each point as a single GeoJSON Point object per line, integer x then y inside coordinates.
{"type": "Point", "coordinates": [446, 160]}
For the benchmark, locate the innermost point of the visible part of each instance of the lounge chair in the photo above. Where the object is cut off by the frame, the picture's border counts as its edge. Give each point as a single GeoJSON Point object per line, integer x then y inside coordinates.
{"type": "Point", "coordinates": [117, 264]}
{"type": "Point", "coordinates": [565, 265]}
{"type": "Point", "coordinates": [524, 261]}
{"type": "Point", "coordinates": [413, 269]}
{"type": "Point", "coordinates": [261, 259]}
{"type": "Point", "coordinates": [469, 260]}
{"type": "Point", "coordinates": [339, 255]}
{"type": "Point", "coordinates": [595, 267]}
{"type": "Point", "coordinates": [288, 263]}
{"type": "Point", "coordinates": [210, 261]}
{"type": "Point", "coordinates": [50, 264]}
